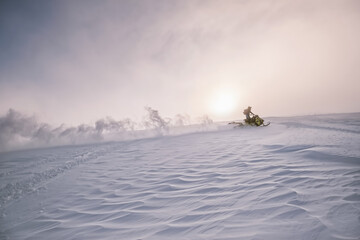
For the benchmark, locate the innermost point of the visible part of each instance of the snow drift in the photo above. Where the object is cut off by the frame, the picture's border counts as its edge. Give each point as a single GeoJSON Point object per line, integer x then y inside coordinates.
{"type": "Point", "coordinates": [298, 178]}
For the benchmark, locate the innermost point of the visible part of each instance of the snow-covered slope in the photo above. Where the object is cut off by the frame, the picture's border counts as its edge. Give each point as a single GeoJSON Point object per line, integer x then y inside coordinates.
{"type": "Point", "coordinates": [298, 178]}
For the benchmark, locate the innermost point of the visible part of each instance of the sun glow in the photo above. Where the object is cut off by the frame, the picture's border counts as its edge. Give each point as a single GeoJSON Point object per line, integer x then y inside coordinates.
{"type": "Point", "coordinates": [224, 103]}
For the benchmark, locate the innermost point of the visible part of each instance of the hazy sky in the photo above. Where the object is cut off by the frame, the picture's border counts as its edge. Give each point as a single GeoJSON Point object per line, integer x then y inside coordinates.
{"type": "Point", "coordinates": [77, 61]}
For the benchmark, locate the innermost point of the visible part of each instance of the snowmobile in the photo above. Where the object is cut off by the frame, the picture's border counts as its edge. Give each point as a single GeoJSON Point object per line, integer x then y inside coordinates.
{"type": "Point", "coordinates": [254, 121]}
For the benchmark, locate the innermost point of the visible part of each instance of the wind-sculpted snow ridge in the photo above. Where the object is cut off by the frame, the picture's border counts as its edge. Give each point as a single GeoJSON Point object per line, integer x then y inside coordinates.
{"type": "Point", "coordinates": [18, 131]}
{"type": "Point", "coordinates": [298, 178]}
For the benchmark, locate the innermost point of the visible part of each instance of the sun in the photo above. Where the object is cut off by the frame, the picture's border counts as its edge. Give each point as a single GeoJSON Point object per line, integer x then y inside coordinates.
{"type": "Point", "coordinates": [224, 103]}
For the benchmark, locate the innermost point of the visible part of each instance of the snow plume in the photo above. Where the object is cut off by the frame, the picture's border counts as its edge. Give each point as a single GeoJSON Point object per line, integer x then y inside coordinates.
{"type": "Point", "coordinates": [110, 125]}
{"type": "Point", "coordinates": [16, 127]}
{"type": "Point", "coordinates": [153, 120]}
{"type": "Point", "coordinates": [18, 131]}
{"type": "Point", "coordinates": [206, 120]}
{"type": "Point", "coordinates": [182, 120]}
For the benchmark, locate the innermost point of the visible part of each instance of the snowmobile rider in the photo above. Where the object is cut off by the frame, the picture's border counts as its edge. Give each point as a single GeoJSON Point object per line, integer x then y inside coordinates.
{"type": "Point", "coordinates": [247, 113]}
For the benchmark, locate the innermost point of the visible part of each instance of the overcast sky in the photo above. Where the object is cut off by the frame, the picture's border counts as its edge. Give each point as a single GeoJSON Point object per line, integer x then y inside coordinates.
{"type": "Point", "coordinates": [77, 61]}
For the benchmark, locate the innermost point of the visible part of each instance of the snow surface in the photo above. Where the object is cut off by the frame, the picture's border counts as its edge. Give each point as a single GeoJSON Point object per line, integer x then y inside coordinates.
{"type": "Point", "coordinates": [298, 178]}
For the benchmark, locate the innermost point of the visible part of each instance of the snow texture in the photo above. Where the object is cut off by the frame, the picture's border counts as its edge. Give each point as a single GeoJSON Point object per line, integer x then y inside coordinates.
{"type": "Point", "coordinates": [298, 178]}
